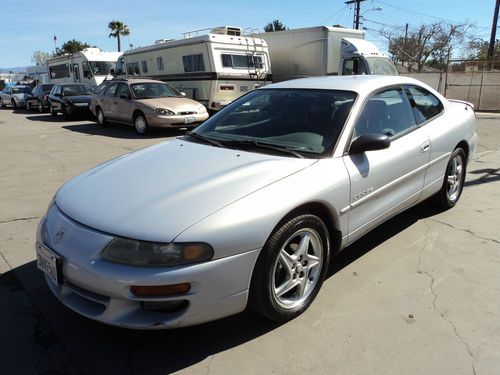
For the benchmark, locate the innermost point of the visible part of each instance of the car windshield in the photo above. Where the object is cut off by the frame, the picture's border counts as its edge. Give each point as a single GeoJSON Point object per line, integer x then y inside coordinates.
{"type": "Point", "coordinates": [381, 65]}
{"type": "Point", "coordinates": [305, 121]}
{"type": "Point", "coordinates": [101, 68]}
{"type": "Point", "coordinates": [46, 88]}
{"type": "Point", "coordinates": [21, 90]}
{"type": "Point", "coordinates": [74, 90]}
{"type": "Point", "coordinates": [151, 90]}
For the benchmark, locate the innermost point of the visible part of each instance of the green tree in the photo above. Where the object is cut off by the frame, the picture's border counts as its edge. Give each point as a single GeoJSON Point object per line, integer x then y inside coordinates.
{"type": "Point", "coordinates": [71, 46]}
{"type": "Point", "coordinates": [118, 29]}
{"type": "Point", "coordinates": [39, 57]}
{"type": "Point", "coordinates": [276, 25]}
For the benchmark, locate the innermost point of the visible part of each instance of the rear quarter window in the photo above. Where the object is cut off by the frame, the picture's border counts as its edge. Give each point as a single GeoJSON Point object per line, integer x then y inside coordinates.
{"type": "Point", "coordinates": [425, 105]}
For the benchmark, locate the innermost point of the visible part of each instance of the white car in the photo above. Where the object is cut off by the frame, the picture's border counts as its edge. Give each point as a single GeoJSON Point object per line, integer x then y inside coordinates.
{"type": "Point", "coordinates": [250, 208]}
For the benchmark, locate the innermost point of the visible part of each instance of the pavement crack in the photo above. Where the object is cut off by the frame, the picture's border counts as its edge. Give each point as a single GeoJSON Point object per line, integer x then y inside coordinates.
{"type": "Point", "coordinates": [20, 219]}
{"type": "Point", "coordinates": [5, 260]}
{"type": "Point", "coordinates": [494, 240]}
{"type": "Point", "coordinates": [435, 297]}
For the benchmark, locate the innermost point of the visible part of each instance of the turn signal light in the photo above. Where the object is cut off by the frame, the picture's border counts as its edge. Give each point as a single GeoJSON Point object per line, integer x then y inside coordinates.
{"type": "Point", "coordinates": [160, 290]}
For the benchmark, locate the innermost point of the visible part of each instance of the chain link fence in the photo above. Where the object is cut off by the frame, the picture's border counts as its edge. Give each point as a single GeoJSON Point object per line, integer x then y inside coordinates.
{"type": "Point", "coordinates": [476, 81]}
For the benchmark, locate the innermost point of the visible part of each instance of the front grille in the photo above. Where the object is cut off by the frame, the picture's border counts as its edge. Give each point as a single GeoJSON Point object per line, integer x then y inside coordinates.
{"type": "Point", "coordinates": [187, 113]}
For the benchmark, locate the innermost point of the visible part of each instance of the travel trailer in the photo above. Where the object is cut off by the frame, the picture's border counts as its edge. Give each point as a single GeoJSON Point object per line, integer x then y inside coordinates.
{"type": "Point", "coordinates": [90, 66]}
{"type": "Point", "coordinates": [214, 68]}
{"type": "Point", "coordinates": [323, 50]}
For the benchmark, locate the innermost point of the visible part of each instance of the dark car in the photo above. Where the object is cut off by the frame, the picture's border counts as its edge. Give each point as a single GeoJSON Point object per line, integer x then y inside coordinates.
{"type": "Point", "coordinates": [69, 99]}
{"type": "Point", "coordinates": [39, 97]}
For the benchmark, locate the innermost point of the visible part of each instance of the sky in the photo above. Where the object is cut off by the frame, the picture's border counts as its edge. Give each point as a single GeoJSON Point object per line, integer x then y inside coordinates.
{"type": "Point", "coordinates": [27, 26]}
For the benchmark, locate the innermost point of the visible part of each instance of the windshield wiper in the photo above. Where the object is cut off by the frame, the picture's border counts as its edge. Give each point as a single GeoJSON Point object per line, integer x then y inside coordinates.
{"type": "Point", "coordinates": [211, 141]}
{"type": "Point", "coordinates": [265, 146]}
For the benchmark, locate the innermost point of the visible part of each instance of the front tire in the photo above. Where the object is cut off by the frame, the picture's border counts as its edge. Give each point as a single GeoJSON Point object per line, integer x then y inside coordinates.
{"type": "Point", "coordinates": [140, 124]}
{"type": "Point", "coordinates": [40, 107]}
{"type": "Point", "coordinates": [290, 269]}
{"type": "Point", "coordinates": [52, 111]}
{"type": "Point", "coordinates": [101, 120]}
{"type": "Point", "coordinates": [14, 105]}
{"type": "Point", "coordinates": [2, 105]}
{"type": "Point", "coordinates": [453, 183]}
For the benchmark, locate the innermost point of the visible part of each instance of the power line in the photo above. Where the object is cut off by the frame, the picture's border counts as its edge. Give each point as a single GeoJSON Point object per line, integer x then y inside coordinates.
{"type": "Point", "coordinates": [343, 9]}
{"type": "Point", "coordinates": [415, 12]}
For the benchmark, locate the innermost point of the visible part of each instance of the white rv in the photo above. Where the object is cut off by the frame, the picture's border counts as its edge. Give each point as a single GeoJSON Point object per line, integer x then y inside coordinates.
{"type": "Point", "coordinates": [89, 66]}
{"type": "Point", "coordinates": [214, 68]}
{"type": "Point", "coordinates": [323, 50]}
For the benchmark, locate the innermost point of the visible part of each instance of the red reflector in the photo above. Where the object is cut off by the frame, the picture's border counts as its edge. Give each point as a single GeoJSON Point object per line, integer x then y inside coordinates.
{"type": "Point", "coordinates": [159, 290]}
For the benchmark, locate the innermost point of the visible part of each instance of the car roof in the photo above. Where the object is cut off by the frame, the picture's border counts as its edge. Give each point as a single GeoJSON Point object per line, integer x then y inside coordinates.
{"type": "Point", "coordinates": [356, 83]}
{"type": "Point", "coordinates": [135, 80]}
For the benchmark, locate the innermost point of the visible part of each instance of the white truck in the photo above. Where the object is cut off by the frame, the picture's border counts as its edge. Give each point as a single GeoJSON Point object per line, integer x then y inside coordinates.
{"type": "Point", "coordinates": [323, 50]}
{"type": "Point", "coordinates": [90, 66]}
{"type": "Point", "coordinates": [213, 66]}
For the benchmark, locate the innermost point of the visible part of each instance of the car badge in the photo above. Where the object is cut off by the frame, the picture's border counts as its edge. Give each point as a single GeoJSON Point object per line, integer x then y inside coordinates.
{"type": "Point", "coordinates": [59, 236]}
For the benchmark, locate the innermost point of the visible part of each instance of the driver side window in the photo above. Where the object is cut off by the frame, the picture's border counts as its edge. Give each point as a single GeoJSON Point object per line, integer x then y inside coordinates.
{"type": "Point", "coordinates": [387, 112]}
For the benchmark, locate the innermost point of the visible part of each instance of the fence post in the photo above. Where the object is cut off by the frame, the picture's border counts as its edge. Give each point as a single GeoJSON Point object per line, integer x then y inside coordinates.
{"type": "Point", "coordinates": [480, 89]}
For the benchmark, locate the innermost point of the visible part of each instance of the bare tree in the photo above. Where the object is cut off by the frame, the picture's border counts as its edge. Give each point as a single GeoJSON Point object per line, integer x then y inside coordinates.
{"type": "Point", "coordinates": [428, 42]}
{"type": "Point", "coordinates": [39, 57]}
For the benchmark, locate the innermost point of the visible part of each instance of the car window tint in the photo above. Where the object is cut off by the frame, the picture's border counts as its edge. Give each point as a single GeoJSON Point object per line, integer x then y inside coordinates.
{"type": "Point", "coordinates": [123, 90]}
{"type": "Point", "coordinates": [110, 91]}
{"type": "Point", "coordinates": [424, 105]}
{"type": "Point", "coordinates": [387, 112]}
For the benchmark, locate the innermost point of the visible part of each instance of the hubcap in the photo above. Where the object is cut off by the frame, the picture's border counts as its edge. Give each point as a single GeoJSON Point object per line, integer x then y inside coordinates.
{"type": "Point", "coordinates": [100, 117]}
{"type": "Point", "coordinates": [140, 124]}
{"type": "Point", "coordinates": [454, 178]}
{"type": "Point", "coordinates": [297, 269]}
{"type": "Point", "coordinates": [40, 107]}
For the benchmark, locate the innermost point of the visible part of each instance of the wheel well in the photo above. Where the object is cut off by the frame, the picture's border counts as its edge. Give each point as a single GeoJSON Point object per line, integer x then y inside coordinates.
{"type": "Point", "coordinates": [137, 112]}
{"type": "Point", "coordinates": [325, 214]}
{"type": "Point", "coordinates": [464, 146]}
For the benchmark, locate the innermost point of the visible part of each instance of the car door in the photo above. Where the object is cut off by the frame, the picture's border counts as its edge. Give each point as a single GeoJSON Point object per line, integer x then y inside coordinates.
{"type": "Point", "coordinates": [386, 181]}
{"type": "Point", "coordinates": [124, 108]}
{"type": "Point", "coordinates": [107, 101]}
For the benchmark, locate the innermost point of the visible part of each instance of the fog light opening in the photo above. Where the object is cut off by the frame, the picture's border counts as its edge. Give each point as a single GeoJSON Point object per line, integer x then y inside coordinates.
{"type": "Point", "coordinates": [160, 290]}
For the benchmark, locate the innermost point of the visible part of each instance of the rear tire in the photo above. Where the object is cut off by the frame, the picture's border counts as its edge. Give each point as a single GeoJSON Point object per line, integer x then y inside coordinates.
{"type": "Point", "coordinates": [52, 111]}
{"type": "Point", "coordinates": [2, 106]}
{"type": "Point", "coordinates": [453, 183]}
{"type": "Point", "coordinates": [140, 124]}
{"type": "Point", "coordinates": [290, 269]}
{"type": "Point", "coordinates": [14, 105]}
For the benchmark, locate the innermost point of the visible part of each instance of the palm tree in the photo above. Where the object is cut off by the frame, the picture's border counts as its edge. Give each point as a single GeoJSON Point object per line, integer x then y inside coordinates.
{"type": "Point", "coordinates": [118, 28]}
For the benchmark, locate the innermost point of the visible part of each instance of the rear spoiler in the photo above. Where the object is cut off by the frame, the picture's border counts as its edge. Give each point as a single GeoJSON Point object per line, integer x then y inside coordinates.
{"type": "Point", "coordinates": [462, 102]}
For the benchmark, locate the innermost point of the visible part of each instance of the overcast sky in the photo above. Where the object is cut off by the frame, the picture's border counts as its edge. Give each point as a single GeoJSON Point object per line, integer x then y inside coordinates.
{"type": "Point", "coordinates": [27, 26]}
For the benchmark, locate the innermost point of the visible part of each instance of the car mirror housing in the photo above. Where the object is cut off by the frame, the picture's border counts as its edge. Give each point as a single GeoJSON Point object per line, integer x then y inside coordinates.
{"type": "Point", "coordinates": [369, 142]}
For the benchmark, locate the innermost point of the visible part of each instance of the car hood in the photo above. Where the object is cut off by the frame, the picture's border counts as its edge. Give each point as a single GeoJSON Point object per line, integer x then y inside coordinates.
{"type": "Point", "coordinates": [79, 98]}
{"type": "Point", "coordinates": [156, 193]}
{"type": "Point", "coordinates": [174, 104]}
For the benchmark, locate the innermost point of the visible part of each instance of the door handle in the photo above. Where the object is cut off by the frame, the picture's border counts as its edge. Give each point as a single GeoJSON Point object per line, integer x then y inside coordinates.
{"type": "Point", "coordinates": [424, 147]}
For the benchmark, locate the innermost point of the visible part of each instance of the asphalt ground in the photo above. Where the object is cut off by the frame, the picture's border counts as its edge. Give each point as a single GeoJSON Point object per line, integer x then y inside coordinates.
{"type": "Point", "coordinates": [418, 295]}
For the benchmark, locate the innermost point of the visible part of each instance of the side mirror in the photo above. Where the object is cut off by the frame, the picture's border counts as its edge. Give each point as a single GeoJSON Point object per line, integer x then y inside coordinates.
{"type": "Point", "coordinates": [369, 142]}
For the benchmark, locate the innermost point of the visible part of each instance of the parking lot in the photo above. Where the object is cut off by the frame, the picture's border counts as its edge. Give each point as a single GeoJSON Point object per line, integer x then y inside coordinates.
{"type": "Point", "coordinates": [418, 295]}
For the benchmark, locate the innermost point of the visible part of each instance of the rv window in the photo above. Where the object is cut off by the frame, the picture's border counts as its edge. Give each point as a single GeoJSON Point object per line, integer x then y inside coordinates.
{"type": "Point", "coordinates": [101, 68]}
{"type": "Point", "coordinates": [59, 71]}
{"type": "Point", "coordinates": [193, 63]}
{"type": "Point", "coordinates": [133, 69]}
{"type": "Point", "coordinates": [145, 66]}
{"type": "Point", "coordinates": [242, 61]}
{"type": "Point", "coordinates": [159, 61]}
{"type": "Point", "coordinates": [86, 69]}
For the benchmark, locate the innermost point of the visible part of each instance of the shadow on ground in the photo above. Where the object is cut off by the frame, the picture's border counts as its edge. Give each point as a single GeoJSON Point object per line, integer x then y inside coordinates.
{"type": "Point", "coordinates": [40, 335]}
{"type": "Point", "coordinates": [123, 131]}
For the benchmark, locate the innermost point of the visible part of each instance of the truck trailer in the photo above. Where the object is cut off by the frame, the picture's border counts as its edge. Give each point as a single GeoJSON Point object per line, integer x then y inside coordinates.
{"type": "Point", "coordinates": [324, 50]}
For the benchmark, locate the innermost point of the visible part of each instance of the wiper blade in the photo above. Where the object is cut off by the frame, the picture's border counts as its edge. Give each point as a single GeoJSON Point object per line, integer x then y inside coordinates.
{"type": "Point", "coordinates": [211, 141]}
{"type": "Point", "coordinates": [265, 146]}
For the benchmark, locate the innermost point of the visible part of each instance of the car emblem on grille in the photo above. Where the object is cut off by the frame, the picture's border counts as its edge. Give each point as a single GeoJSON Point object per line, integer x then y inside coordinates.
{"type": "Point", "coordinates": [59, 236]}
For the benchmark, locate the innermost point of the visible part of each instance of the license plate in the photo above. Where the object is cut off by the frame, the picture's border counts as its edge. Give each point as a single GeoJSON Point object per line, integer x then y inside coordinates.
{"type": "Point", "coordinates": [46, 261]}
{"type": "Point", "coordinates": [189, 119]}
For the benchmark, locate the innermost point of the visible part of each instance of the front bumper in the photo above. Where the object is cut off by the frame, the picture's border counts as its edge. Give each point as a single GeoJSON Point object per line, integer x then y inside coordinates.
{"type": "Point", "coordinates": [100, 290]}
{"type": "Point", "coordinates": [178, 121]}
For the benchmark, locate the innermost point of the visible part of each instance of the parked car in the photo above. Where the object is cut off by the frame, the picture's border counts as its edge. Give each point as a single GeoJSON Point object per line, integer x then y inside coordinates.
{"type": "Point", "coordinates": [250, 207]}
{"type": "Point", "coordinates": [69, 99]}
{"type": "Point", "coordinates": [14, 96]}
{"type": "Point", "coordinates": [144, 103]}
{"type": "Point", "coordinates": [39, 97]}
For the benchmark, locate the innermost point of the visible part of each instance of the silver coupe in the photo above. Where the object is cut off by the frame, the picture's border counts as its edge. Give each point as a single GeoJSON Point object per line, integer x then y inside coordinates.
{"type": "Point", "coordinates": [250, 208]}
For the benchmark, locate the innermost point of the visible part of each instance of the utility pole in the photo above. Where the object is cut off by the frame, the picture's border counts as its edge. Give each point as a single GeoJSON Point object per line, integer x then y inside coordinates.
{"type": "Point", "coordinates": [357, 10]}
{"type": "Point", "coordinates": [491, 49]}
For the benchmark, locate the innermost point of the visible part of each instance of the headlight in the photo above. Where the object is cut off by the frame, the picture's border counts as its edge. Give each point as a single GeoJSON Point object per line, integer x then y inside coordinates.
{"type": "Point", "coordinates": [142, 253]}
{"type": "Point", "coordinates": [201, 109]}
{"type": "Point", "coordinates": [164, 112]}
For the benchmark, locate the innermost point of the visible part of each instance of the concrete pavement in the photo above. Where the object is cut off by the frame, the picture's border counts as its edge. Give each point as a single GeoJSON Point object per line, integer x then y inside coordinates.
{"type": "Point", "coordinates": [419, 295]}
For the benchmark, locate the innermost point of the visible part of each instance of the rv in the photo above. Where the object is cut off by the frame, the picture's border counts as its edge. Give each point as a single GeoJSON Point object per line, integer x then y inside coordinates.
{"type": "Point", "coordinates": [214, 68]}
{"type": "Point", "coordinates": [323, 50]}
{"type": "Point", "coordinates": [90, 66]}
